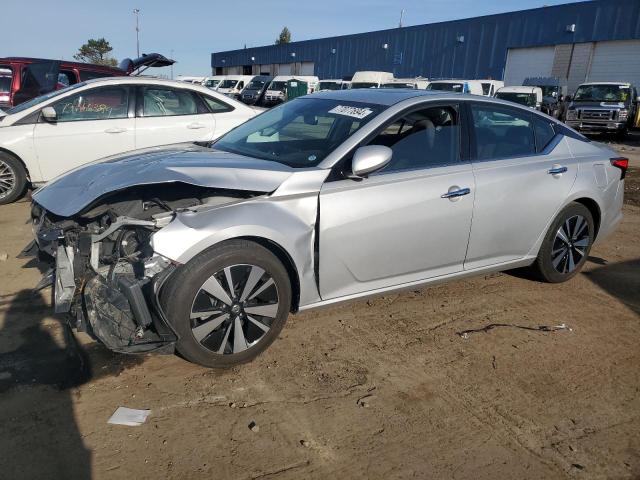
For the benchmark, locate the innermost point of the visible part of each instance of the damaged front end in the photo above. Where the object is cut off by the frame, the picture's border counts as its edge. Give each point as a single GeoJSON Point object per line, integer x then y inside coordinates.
{"type": "Point", "coordinates": [104, 271]}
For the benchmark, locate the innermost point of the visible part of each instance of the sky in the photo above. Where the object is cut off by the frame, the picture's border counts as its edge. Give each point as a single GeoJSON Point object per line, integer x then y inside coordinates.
{"type": "Point", "coordinates": [190, 30]}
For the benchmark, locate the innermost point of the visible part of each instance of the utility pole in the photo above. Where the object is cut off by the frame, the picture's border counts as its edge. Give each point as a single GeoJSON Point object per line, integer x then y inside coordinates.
{"type": "Point", "coordinates": [401, 17]}
{"type": "Point", "coordinates": [136, 11]}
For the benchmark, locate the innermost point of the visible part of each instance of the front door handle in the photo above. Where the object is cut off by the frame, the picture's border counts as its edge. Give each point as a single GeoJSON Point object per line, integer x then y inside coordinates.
{"type": "Point", "coordinates": [557, 170]}
{"type": "Point", "coordinates": [455, 192]}
{"type": "Point", "coordinates": [115, 130]}
{"type": "Point", "coordinates": [196, 125]}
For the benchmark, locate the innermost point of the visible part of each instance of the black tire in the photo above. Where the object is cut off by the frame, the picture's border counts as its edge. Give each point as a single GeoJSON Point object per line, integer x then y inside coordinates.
{"type": "Point", "coordinates": [544, 267]}
{"type": "Point", "coordinates": [184, 290]}
{"type": "Point", "coordinates": [11, 170]}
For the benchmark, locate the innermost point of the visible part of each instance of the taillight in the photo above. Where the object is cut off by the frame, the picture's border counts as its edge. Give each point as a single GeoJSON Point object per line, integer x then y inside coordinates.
{"type": "Point", "coordinates": [621, 163]}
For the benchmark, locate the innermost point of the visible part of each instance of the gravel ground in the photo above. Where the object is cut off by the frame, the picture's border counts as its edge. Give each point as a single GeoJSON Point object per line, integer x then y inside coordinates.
{"type": "Point", "coordinates": [384, 388]}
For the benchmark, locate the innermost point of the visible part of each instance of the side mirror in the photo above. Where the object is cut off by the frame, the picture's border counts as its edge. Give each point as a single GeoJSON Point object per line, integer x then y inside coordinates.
{"type": "Point", "coordinates": [49, 114]}
{"type": "Point", "coordinates": [368, 159]}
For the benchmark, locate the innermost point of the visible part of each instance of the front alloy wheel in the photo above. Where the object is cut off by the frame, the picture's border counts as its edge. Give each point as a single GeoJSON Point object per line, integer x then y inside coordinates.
{"type": "Point", "coordinates": [234, 309]}
{"type": "Point", "coordinates": [227, 304]}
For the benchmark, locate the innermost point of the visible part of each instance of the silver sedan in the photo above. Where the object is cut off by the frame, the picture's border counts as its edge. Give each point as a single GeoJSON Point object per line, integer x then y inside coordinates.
{"type": "Point", "coordinates": [330, 197]}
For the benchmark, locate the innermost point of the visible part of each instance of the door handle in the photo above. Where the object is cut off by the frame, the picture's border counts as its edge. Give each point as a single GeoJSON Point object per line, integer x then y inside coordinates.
{"type": "Point", "coordinates": [115, 130]}
{"type": "Point", "coordinates": [557, 170]}
{"type": "Point", "coordinates": [460, 192]}
{"type": "Point", "coordinates": [196, 125]}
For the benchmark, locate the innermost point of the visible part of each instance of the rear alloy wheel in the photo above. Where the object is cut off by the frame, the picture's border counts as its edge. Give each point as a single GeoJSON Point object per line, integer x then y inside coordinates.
{"type": "Point", "coordinates": [228, 304]}
{"type": "Point", "coordinates": [13, 179]}
{"type": "Point", "coordinates": [567, 244]}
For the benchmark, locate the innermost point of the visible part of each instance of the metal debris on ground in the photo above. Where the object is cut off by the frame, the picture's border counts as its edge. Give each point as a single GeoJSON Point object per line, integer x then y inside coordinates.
{"type": "Point", "coordinates": [253, 426]}
{"type": "Point", "coordinates": [131, 417]}
{"type": "Point", "coordinates": [540, 328]}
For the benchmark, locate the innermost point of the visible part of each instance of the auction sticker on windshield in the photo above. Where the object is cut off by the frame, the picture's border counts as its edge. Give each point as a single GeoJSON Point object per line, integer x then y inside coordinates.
{"type": "Point", "coordinates": [356, 112]}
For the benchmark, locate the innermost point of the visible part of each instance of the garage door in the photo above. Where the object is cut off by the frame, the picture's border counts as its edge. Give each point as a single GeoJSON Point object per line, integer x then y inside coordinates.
{"type": "Point", "coordinates": [306, 68]}
{"type": "Point", "coordinates": [616, 62]}
{"type": "Point", "coordinates": [528, 62]}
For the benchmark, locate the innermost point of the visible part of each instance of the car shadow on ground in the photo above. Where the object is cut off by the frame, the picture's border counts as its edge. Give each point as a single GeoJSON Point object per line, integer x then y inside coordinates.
{"type": "Point", "coordinates": [40, 364]}
{"type": "Point", "coordinates": [620, 280]}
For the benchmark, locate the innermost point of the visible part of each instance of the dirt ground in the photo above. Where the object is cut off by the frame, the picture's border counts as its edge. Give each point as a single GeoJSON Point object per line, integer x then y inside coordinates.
{"type": "Point", "coordinates": [385, 388]}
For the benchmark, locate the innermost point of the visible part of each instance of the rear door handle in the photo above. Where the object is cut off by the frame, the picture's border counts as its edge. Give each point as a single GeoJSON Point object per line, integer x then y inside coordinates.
{"type": "Point", "coordinates": [460, 192]}
{"type": "Point", "coordinates": [557, 170]}
{"type": "Point", "coordinates": [115, 130]}
{"type": "Point", "coordinates": [196, 125]}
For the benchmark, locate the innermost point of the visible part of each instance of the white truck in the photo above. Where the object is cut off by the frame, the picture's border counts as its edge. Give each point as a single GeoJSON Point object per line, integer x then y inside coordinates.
{"type": "Point", "coordinates": [276, 89]}
{"type": "Point", "coordinates": [213, 82]}
{"type": "Point", "coordinates": [418, 83]}
{"type": "Point", "coordinates": [232, 85]}
{"type": "Point", "coordinates": [528, 96]}
{"type": "Point", "coordinates": [490, 87]}
{"type": "Point", "coordinates": [473, 87]}
{"type": "Point", "coordinates": [333, 84]}
{"type": "Point", "coordinates": [370, 79]}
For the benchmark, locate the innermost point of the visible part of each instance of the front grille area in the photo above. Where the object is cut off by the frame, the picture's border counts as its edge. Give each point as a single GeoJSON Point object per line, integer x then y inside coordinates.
{"type": "Point", "coordinates": [596, 114]}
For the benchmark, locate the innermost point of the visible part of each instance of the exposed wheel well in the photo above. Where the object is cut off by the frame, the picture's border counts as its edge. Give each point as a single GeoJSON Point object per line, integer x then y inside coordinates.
{"type": "Point", "coordinates": [8, 152]}
{"type": "Point", "coordinates": [287, 261]}
{"type": "Point", "coordinates": [593, 207]}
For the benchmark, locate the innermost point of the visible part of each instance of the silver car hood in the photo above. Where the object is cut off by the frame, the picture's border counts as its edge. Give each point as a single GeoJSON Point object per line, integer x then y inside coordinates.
{"type": "Point", "coordinates": [72, 192]}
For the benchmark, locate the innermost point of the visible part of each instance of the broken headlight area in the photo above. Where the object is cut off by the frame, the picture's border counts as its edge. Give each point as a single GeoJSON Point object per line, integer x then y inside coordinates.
{"type": "Point", "coordinates": [104, 271]}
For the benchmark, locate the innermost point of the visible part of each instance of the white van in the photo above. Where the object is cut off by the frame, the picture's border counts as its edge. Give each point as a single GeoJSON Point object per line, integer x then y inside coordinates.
{"type": "Point", "coordinates": [232, 85]}
{"type": "Point", "coordinates": [275, 90]}
{"type": "Point", "coordinates": [188, 79]}
{"type": "Point", "coordinates": [213, 82]}
{"type": "Point", "coordinates": [473, 87]}
{"type": "Point", "coordinates": [490, 87]}
{"type": "Point", "coordinates": [333, 84]}
{"type": "Point", "coordinates": [528, 96]}
{"type": "Point", "coordinates": [418, 83]}
{"type": "Point", "coordinates": [367, 79]}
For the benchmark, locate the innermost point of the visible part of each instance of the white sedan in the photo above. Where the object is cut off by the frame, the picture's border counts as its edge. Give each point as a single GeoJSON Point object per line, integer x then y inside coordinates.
{"type": "Point", "coordinates": [54, 133]}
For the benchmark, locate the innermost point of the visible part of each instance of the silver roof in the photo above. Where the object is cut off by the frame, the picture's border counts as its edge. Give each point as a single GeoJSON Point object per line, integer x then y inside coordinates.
{"type": "Point", "coordinates": [380, 96]}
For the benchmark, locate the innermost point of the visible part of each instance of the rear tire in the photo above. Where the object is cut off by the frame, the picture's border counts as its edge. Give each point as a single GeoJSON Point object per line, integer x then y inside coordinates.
{"type": "Point", "coordinates": [566, 245]}
{"type": "Point", "coordinates": [13, 179]}
{"type": "Point", "coordinates": [207, 313]}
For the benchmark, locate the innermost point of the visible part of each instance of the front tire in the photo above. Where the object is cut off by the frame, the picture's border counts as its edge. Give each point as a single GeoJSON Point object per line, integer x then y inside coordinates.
{"type": "Point", "coordinates": [228, 304]}
{"type": "Point", "coordinates": [566, 246]}
{"type": "Point", "coordinates": [13, 179]}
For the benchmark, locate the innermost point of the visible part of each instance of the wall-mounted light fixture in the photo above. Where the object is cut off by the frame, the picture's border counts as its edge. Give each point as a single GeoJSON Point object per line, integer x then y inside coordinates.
{"type": "Point", "coordinates": [253, 59]}
{"type": "Point", "coordinates": [460, 38]}
{"type": "Point", "coordinates": [224, 61]}
{"type": "Point", "coordinates": [385, 46]}
{"type": "Point", "coordinates": [571, 28]}
{"type": "Point", "coordinates": [293, 54]}
{"type": "Point", "coordinates": [333, 50]}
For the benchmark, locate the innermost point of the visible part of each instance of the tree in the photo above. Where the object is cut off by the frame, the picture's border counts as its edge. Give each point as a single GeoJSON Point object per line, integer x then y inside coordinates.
{"type": "Point", "coordinates": [285, 36]}
{"type": "Point", "coordinates": [96, 51]}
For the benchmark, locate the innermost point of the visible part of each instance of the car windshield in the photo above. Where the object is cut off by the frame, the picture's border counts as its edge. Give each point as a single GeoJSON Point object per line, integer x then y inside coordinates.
{"type": "Point", "coordinates": [527, 99]}
{"type": "Point", "coordinates": [446, 87]}
{"type": "Point", "coordinates": [255, 84]}
{"type": "Point", "coordinates": [299, 133]}
{"type": "Point", "coordinates": [279, 86]}
{"type": "Point", "coordinates": [329, 86]}
{"type": "Point", "coordinates": [548, 90]}
{"type": "Point", "coordinates": [42, 98]}
{"type": "Point", "coordinates": [211, 83]}
{"type": "Point", "coordinates": [602, 93]}
{"type": "Point", "coordinates": [227, 83]}
{"type": "Point", "coordinates": [364, 85]}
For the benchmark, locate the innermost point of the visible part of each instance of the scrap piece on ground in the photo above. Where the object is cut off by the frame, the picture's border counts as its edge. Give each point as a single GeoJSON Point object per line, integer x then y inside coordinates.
{"type": "Point", "coordinates": [131, 417]}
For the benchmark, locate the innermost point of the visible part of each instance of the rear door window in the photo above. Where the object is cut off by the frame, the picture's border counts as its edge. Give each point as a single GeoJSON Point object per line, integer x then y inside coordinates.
{"type": "Point", "coordinates": [98, 104]}
{"type": "Point", "coordinates": [502, 132]}
{"type": "Point", "coordinates": [166, 102]}
{"type": "Point", "coordinates": [544, 132]}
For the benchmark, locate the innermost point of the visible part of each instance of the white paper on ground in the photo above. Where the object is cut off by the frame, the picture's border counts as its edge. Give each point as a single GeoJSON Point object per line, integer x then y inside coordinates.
{"type": "Point", "coordinates": [129, 416]}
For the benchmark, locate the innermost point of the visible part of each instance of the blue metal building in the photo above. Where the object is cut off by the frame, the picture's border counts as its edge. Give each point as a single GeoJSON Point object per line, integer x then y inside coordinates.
{"type": "Point", "coordinates": [469, 48]}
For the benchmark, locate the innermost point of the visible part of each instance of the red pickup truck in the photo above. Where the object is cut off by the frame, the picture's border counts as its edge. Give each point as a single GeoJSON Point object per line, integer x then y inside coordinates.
{"type": "Point", "coordinates": [22, 78]}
